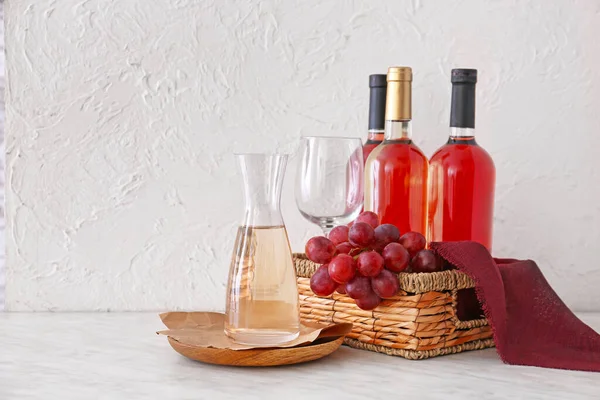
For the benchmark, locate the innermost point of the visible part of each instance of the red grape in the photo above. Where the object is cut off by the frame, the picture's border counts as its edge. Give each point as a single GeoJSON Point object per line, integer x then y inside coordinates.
{"type": "Point", "coordinates": [339, 234]}
{"type": "Point", "coordinates": [359, 286]}
{"type": "Point", "coordinates": [386, 284]}
{"type": "Point", "coordinates": [341, 289]}
{"type": "Point", "coordinates": [370, 263]}
{"type": "Point", "coordinates": [321, 283]}
{"type": "Point", "coordinates": [319, 249]}
{"type": "Point", "coordinates": [342, 268]}
{"type": "Point", "coordinates": [344, 248]}
{"type": "Point", "coordinates": [425, 261]}
{"type": "Point", "coordinates": [368, 302]}
{"type": "Point", "coordinates": [413, 242]}
{"type": "Point", "coordinates": [395, 257]}
{"type": "Point", "coordinates": [369, 217]}
{"type": "Point", "coordinates": [361, 234]}
{"type": "Point", "coordinates": [384, 235]}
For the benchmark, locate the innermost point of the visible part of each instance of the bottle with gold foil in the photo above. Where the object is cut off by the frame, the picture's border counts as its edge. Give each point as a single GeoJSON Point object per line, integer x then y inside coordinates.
{"type": "Point", "coordinates": [396, 170]}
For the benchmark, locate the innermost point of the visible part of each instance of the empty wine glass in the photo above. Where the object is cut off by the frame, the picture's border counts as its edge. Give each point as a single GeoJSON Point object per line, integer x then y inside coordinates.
{"type": "Point", "coordinates": [329, 183]}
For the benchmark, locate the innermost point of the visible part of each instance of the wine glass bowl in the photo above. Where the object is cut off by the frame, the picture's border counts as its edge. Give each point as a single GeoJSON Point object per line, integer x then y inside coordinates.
{"type": "Point", "coordinates": [329, 182]}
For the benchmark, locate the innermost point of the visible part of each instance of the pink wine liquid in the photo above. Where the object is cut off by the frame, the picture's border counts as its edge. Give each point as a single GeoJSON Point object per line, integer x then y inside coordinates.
{"type": "Point", "coordinates": [374, 139]}
{"type": "Point", "coordinates": [397, 186]}
{"type": "Point", "coordinates": [461, 196]}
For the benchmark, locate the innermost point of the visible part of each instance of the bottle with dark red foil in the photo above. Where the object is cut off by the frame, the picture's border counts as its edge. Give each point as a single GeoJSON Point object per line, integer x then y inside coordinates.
{"type": "Point", "coordinates": [462, 174]}
{"type": "Point", "coordinates": [378, 88]}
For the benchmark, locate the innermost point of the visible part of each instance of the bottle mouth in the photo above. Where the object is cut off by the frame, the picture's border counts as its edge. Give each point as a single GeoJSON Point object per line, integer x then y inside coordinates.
{"type": "Point", "coordinates": [377, 81]}
{"type": "Point", "coordinates": [463, 75]}
{"type": "Point", "coordinates": [399, 74]}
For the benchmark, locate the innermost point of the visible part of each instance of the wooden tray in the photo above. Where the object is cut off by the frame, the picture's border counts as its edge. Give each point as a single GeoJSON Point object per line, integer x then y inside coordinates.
{"type": "Point", "coordinates": [260, 357]}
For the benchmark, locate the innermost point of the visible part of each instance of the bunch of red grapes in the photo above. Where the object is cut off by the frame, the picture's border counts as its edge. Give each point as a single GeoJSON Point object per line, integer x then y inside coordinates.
{"type": "Point", "coordinates": [362, 260]}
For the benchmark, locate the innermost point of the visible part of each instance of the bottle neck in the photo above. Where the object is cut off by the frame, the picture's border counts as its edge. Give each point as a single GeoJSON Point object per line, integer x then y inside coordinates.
{"type": "Point", "coordinates": [465, 136]}
{"type": "Point", "coordinates": [375, 136]}
{"type": "Point", "coordinates": [457, 132]}
{"type": "Point", "coordinates": [398, 106]}
{"type": "Point", "coordinates": [398, 130]}
{"type": "Point", "coordinates": [398, 110]}
{"type": "Point", "coordinates": [462, 110]}
{"type": "Point", "coordinates": [377, 108]}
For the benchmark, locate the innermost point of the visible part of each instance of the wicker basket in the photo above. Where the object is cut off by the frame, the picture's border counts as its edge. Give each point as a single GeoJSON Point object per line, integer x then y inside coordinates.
{"type": "Point", "coordinates": [419, 323]}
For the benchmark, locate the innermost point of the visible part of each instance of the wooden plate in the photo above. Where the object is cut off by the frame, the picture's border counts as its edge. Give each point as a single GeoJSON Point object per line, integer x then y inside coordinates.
{"type": "Point", "coordinates": [260, 357]}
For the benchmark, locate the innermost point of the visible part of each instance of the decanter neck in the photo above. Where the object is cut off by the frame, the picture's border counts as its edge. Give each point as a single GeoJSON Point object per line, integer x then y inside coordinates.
{"type": "Point", "coordinates": [263, 178]}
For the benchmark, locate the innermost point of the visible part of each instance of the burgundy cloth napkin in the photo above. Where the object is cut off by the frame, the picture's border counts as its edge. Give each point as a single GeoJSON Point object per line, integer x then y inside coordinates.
{"type": "Point", "coordinates": [531, 324]}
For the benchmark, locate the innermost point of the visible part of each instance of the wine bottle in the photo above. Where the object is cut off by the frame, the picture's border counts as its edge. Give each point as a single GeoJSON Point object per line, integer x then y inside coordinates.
{"type": "Point", "coordinates": [377, 88]}
{"type": "Point", "coordinates": [461, 193]}
{"type": "Point", "coordinates": [396, 170]}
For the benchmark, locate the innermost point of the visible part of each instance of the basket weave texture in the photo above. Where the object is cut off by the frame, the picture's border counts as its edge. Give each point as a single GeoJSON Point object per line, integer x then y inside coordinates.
{"type": "Point", "coordinates": [420, 322]}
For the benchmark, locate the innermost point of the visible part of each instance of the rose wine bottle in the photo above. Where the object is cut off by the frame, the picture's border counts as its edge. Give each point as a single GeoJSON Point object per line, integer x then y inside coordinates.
{"type": "Point", "coordinates": [462, 174]}
{"type": "Point", "coordinates": [377, 88]}
{"type": "Point", "coordinates": [396, 170]}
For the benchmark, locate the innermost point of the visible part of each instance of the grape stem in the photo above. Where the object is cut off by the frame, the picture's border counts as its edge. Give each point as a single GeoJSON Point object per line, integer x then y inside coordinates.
{"type": "Point", "coordinates": [359, 253]}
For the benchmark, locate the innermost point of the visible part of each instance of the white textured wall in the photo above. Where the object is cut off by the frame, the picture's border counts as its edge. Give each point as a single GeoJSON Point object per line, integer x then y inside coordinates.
{"type": "Point", "coordinates": [122, 117]}
{"type": "Point", "coordinates": [2, 158]}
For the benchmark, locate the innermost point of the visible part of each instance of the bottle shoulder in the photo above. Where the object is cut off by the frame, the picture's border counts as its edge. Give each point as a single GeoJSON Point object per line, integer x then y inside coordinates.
{"type": "Point", "coordinates": [401, 145]}
{"type": "Point", "coordinates": [452, 152]}
{"type": "Point", "coordinates": [393, 152]}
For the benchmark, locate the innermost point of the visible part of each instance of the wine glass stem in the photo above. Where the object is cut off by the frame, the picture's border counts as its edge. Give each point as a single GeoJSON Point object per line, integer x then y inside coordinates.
{"type": "Point", "coordinates": [326, 229]}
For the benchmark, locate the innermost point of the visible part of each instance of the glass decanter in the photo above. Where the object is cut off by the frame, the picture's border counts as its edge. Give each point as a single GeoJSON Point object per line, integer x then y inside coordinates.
{"type": "Point", "coordinates": [262, 296]}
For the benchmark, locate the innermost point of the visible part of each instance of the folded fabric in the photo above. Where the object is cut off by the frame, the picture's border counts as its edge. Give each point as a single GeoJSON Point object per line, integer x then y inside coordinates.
{"type": "Point", "coordinates": [531, 324]}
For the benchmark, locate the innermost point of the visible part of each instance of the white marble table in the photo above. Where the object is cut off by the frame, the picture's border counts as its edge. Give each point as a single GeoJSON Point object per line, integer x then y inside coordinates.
{"type": "Point", "coordinates": [118, 356]}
